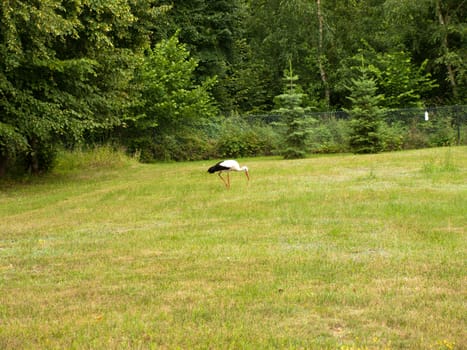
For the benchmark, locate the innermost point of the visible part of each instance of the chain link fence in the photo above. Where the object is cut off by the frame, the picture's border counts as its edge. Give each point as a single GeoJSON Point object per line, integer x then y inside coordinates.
{"type": "Point", "coordinates": [406, 128]}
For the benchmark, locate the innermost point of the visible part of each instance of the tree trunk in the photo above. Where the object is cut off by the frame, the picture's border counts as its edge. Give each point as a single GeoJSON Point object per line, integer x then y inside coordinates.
{"type": "Point", "coordinates": [3, 165]}
{"type": "Point", "coordinates": [445, 47]}
{"type": "Point", "coordinates": [33, 161]}
{"type": "Point", "coordinates": [322, 71]}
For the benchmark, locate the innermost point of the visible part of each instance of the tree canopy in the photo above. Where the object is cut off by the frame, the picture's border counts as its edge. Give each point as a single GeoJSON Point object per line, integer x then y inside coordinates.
{"type": "Point", "coordinates": [76, 71]}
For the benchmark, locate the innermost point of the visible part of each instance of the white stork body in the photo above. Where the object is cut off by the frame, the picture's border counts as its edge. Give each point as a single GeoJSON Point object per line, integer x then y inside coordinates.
{"type": "Point", "coordinates": [228, 166]}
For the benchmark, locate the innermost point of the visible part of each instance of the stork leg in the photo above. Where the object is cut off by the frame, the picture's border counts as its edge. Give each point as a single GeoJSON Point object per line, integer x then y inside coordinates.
{"type": "Point", "coordinates": [228, 180]}
{"type": "Point", "coordinates": [223, 180]}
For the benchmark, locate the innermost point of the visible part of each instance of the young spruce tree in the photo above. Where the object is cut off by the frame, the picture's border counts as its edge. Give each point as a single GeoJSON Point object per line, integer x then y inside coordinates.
{"type": "Point", "coordinates": [297, 124]}
{"type": "Point", "coordinates": [366, 116]}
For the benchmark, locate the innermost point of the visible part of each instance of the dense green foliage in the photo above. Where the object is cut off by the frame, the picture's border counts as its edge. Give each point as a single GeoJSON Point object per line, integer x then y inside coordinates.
{"type": "Point", "coordinates": [65, 68]}
{"type": "Point", "coordinates": [85, 71]}
{"type": "Point", "coordinates": [169, 102]}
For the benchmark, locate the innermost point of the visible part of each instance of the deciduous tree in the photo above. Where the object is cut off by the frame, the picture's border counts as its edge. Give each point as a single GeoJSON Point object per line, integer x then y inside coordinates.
{"type": "Point", "coordinates": [64, 69]}
{"type": "Point", "coordinates": [171, 102]}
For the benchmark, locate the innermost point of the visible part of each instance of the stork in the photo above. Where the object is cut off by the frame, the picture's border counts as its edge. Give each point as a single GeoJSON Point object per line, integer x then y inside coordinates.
{"type": "Point", "coordinates": [228, 166]}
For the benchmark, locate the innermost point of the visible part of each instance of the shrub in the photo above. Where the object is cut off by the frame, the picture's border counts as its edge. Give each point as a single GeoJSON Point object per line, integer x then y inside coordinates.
{"type": "Point", "coordinates": [330, 136]}
{"type": "Point", "coordinates": [392, 136]}
{"type": "Point", "coordinates": [436, 132]}
{"type": "Point", "coordinates": [37, 160]}
{"type": "Point", "coordinates": [239, 139]}
{"type": "Point", "coordinates": [441, 132]}
{"type": "Point", "coordinates": [190, 146]}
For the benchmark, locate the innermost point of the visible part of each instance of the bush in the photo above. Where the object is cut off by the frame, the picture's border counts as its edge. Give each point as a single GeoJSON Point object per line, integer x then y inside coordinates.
{"type": "Point", "coordinates": [436, 132]}
{"type": "Point", "coordinates": [239, 139]}
{"type": "Point", "coordinates": [183, 147]}
{"type": "Point", "coordinates": [392, 136]}
{"type": "Point", "coordinates": [441, 132]}
{"type": "Point", "coordinates": [39, 160]}
{"type": "Point", "coordinates": [330, 136]}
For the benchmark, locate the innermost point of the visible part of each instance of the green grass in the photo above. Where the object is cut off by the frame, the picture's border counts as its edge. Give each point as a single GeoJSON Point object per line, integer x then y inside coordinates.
{"type": "Point", "coordinates": [329, 252]}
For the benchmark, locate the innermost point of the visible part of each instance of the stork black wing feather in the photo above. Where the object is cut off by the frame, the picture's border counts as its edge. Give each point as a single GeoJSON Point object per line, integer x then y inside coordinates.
{"type": "Point", "coordinates": [217, 167]}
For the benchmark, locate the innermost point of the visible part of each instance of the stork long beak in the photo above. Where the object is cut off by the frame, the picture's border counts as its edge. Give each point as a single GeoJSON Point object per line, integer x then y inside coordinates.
{"type": "Point", "coordinates": [247, 175]}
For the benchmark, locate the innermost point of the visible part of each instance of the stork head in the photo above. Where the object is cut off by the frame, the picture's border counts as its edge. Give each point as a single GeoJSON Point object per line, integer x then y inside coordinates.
{"type": "Point", "coordinates": [245, 169]}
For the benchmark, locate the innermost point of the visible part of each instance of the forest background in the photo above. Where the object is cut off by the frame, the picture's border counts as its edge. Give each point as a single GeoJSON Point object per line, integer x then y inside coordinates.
{"type": "Point", "coordinates": [198, 79]}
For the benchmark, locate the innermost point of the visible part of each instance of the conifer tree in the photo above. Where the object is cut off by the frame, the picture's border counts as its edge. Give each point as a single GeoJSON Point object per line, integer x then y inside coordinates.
{"type": "Point", "coordinates": [366, 116]}
{"type": "Point", "coordinates": [297, 124]}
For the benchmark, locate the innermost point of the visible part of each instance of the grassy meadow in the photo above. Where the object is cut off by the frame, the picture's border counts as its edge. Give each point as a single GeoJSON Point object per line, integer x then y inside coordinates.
{"type": "Point", "coordinates": [329, 252]}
